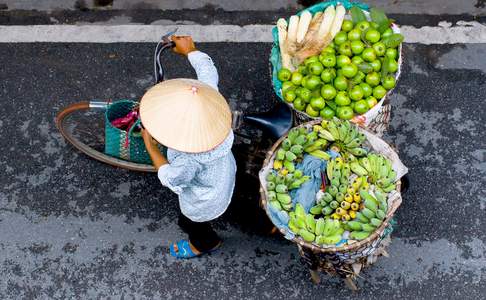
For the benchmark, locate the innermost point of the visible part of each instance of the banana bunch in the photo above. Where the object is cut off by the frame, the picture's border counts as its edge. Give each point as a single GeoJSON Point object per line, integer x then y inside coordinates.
{"type": "Point", "coordinates": [344, 136]}
{"type": "Point", "coordinates": [370, 217]}
{"type": "Point", "coordinates": [321, 231]}
{"type": "Point", "coordinates": [342, 199]}
{"type": "Point", "coordinates": [378, 169]}
{"type": "Point", "coordinates": [278, 187]}
{"type": "Point", "coordinates": [291, 150]}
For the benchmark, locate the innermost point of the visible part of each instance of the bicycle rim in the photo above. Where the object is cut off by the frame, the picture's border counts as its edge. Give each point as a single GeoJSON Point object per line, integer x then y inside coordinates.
{"type": "Point", "coordinates": [62, 125]}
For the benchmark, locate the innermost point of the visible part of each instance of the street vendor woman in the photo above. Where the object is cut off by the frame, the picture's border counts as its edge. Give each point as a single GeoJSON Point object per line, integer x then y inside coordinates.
{"type": "Point", "coordinates": [193, 120]}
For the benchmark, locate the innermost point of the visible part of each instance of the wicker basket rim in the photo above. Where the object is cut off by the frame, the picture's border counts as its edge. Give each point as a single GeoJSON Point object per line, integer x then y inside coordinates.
{"type": "Point", "coordinates": [346, 248]}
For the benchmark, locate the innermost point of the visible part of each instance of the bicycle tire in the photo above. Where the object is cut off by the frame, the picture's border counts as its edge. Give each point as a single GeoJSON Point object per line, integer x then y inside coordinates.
{"type": "Point", "coordinates": [93, 153]}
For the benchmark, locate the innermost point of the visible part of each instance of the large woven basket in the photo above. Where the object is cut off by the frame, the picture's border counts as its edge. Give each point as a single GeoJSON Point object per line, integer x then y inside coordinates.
{"type": "Point", "coordinates": [120, 143]}
{"type": "Point", "coordinates": [340, 260]}
{"type": "Point", "coordinates": [379, 123]}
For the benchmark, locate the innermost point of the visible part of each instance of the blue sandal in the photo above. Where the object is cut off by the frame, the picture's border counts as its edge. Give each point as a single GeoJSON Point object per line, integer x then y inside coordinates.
{"type": "Point", "coordinates": [184, 250]}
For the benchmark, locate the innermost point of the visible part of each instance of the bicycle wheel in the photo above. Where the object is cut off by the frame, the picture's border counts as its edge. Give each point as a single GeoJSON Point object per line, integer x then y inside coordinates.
{"type": "Point", "coordinates": [79, 123]}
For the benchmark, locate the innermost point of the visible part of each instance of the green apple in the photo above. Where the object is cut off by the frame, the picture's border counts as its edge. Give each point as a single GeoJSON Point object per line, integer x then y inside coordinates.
{"type": "Point", "coordinates": [389, 82]}
{"type": "Point", "coordinates": [361, 107]}
{"type": "Point", "coordinates": [363, 26]}
{"type": "Point", "coordinates": [372, 35]}
{"type": "Point", "coordinates": [312, 112]}
{"type": "Point", "coordinates": [299, 104]}
{"type": "Point", "coordinates": [392, 65]}
{"type": "Point", "coordinates": [289, 95]}
{"type": "Point", "coordinates": [356, 93]}
{"type": "Point", "coordinates": [391, 53]}
{"type": "Point", "coordinates": [328, 92]}
{"type": "Point", "coordinates": [345, 112]}
{"type": "Point", "coordinates": [315, 68]}
{"type": "Point", "coordinates": [302, 69]}
{"type": "Point", "coordinates": [328, 75]}
{"type": "Point", "coordinates": [371, 101]}
{"type": "Point", "coordinates": [379, 48]}
{"type": "Point", "coordinates": [341, 83]}
{"type": "Point", "coordinates": [318, 103]}
{"type": "Point", "coordinates": [379, 92]}
{"type": "Point", "coordinates": [387, 33]}
{"type": "Point", "coordinates": [328, 50]}
{"type": "Point", "coordinates": [340, 38]}
{"type": "Point", "coordinates": [312, 82]}
{"type": "Point", "coordinates": [350, 70]}
{"type": "Point", "coordinates": [311, 59]}
{"type": "Point", "coordinates": [327, 113]}
{"type": "Point", "coordinates": [376, 64]}
{"type": "Point", "coordinates": [367, 89]}
{"type": "Point", "coordinates": [345, 49]}
{"type": "Point", "coordinates": [342, 60]}
{"type": "Point", "coordinates": [347, 25]}
{"type": "Point", "coordinates": [297, 78]}
{"type": "Point", "coordinates": [287, 85]}
{"type": "Point", "coordinates": [354, 35]}
{"type": "Point", "coordinates": [342, 98]}
{"type": "Point", "coordinates": [357, 60]}
{"type": "Point", "coordinates": [306, 95]}
{"type": "Point", "coordinates": [368, 54]}
{"type": "Point", "coordinates": [373, 79]}
{"type": "Point", "coordinates": [360, 76]}
{"type": "Point", "coordinates": [357, 47]}
{"type": "Point", "coordinates": [284, 74]}
{"type": "Point", "coordinates": [328, 60]}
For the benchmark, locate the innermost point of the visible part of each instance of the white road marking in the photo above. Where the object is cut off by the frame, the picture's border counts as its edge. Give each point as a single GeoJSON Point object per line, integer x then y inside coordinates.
{"type": "Point", "coordinates": [445, 33]}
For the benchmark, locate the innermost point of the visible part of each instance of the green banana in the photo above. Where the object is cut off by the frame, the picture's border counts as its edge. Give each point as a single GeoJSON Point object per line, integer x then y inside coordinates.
{"type": "Point", "coordinates": [280, 179]}
{"type": "Point", "coordinates": [329, 168]}
{"type": "Point", "coordinates": [365, 163]}
{"type": "Point", "coordinates": [343, 131]}
{"type": "Point", "coordinates": [290, 156]}
{"type": "Point", "coordinates": [315, 210]}
{"type": "Point", "coordinates": [371, 205]}
{"type": "Point", "coordinates": [354, 225]}
{"type": "Point", "coordinates": [289, 178]}
{"type": "Point", "coordinates": [366, 196]}
{"type": "Point", "coordinates": [300, 223]}
{"type": "Point", "coordinates": [362, 218]}
{"type": "Point", "coordinates": [343, 188]}
{"type": "Point", "coordinates": [281, 154]}
{"type": "Point", "coordinates": [298, 174]}
{"type": "Point", "coordinates": [293, 227]}
{"type": "Point", "coordinates": [358, 169]}
{"type": "Point", "coordinates": [368, 227]}
{"type": "Point", "coordinates": [272, 196]}
{"type": "Point", "coordinates": [293, 134]}
{"type": "Point", "coordinates": [334, 204]}
{"type": "Point", "coordinates": [271, 177]}
{"type": "Point", "coordinates": [327, 210]}
{"type": "Point", "coordinates": [380, 214]}
{"type": "Point", "coordinates": [311, 223]}
{"type": "Point", "coordinates": [353, 143]}
{"type": "Point", "coordinates": [389, 188]}
{"type": "Point", "coordinates": [340, 197]}
{"type": "Point", "coordinates": [335, 181]}
{"type": "Point", "coordinates": [284, 198]}
{"type": "Point", "coordinates": [281, 188]}
{"type": "Point", "coordinates": [297, 149]}
{"type": "Point", "coordinates": [289, 166]}
{"type": "Point", "coordinates": [319, 226]}
{"type": "Point", "coordinates": [333, 190]}
{"type": "Point", "coordinates": [366, 212]}
{"type": "Point", "coordinates": [357, 151]}
{"type": "Point", "coordinates": [299, 211]}
{"type": "Point", "coordinates": [286, 144]}
{"type": "Point", "coordinates": [270, 186]}
{"type": "Point", "coordinates": [320, 154]}
{"type": "Point", "coordinates": [332, 128]}
{"type": "Point", "coordinates": [287, 206]}
{"type": "Point", "coordinates": [375, 222]}
{"type": "Point", "coordinates": [306, 235]}
{"type": "Point", "coordinates": [359, 235]}
{"type": "Point", "coordinates": [327, 197]}
{"type": "Point", "coordinates": [300, 140]}
{"type": "Point", "coordinates": [330, 240]}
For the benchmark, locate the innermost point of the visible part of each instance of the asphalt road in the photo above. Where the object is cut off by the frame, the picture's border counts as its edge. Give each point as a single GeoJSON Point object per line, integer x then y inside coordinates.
{"type": "Point", "coordinates": [71, 227]}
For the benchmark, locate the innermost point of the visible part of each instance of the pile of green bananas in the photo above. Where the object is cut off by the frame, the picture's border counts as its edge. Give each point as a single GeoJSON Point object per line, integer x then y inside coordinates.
{"type": "Point", "coordinates": [378, 169]}
{"type": "Point", "coordinates": [321, 231]}
{"type": "Point", "coordinates": [341, 199]}
{"type": "Point", "coordinates": [344, 136]}
{"type": "Point", "coordinates": [370, 217]}
{"type": "Point", "coordinates": [278, 187]}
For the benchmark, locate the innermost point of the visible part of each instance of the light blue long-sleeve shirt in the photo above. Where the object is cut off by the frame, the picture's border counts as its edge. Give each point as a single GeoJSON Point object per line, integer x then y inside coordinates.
{"type": "Point", "coordinates": [203, 181]}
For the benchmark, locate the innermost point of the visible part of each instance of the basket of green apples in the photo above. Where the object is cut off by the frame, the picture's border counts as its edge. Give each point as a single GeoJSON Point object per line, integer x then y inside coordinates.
{"type": "Point", "coordinates": [351, 77]}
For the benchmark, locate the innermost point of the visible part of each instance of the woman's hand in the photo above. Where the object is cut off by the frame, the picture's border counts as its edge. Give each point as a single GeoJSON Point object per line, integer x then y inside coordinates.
{"type": "Point", "coordinates": [183, 44]}
{"type": "Point", "coordinates": [147, 138]}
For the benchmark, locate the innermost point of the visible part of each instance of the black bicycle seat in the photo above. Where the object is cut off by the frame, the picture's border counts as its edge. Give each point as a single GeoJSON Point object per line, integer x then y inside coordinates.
{"type": "Point", "coordinates": [275, 122]}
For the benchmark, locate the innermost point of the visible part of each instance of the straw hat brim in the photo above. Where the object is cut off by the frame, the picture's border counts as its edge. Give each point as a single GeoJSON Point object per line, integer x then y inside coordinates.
{"type": "Point", "coordinates": [186, 115]}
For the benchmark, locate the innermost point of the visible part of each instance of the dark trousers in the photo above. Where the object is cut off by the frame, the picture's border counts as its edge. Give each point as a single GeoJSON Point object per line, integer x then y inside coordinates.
{"type": "Point", "coordinates": [201, 234]}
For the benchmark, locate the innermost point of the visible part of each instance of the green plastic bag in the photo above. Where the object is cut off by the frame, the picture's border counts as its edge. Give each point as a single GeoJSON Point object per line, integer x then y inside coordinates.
{"type": "Point", "coordinates": [275, 54]}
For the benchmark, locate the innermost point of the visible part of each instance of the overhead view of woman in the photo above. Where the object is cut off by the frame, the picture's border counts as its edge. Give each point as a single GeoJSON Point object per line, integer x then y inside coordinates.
{"type": "Point", "coordinates": [193, 120]}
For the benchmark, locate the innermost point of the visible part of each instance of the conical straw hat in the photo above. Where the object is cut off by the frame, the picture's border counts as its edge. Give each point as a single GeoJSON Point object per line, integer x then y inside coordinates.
{"type": "Point", "coordinates": [186, 115]}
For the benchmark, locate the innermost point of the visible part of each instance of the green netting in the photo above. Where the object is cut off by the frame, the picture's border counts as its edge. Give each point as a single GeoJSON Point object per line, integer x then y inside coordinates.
{"type": "Point", "coordinates": [275, 54]}
{"type": "Point", "coordinates": [115, 139]}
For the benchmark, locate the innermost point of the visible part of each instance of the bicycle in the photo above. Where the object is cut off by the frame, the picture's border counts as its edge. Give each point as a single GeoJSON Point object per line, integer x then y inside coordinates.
{"type": "Point", "coordinates": [78, 121]}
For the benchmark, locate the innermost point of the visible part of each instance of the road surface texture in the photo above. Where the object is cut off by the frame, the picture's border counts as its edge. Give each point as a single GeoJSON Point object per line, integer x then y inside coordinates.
{"type": "Point", "coordinates": [74, 228]}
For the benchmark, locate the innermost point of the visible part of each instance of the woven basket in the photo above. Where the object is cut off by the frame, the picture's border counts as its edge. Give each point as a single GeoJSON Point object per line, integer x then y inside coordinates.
{"type": "Point", "coordinates": [116, 139]}
{"type": "Point", "coordinates": [340, 260]}
{"type": "Point", "coordinates": [379, 123]}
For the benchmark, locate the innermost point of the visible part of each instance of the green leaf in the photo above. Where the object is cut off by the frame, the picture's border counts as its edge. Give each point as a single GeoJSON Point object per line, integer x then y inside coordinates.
{"type": "Point", "coordinates": [357, 15]}
{"type": "Point", "coordinates": [381, 28]}
{"type": "Point", "coordinates": [365, 67]}
{"type": "Point", "coordinates": [332, 105]}
{"type": "Point", "coordinates": [393, 41]}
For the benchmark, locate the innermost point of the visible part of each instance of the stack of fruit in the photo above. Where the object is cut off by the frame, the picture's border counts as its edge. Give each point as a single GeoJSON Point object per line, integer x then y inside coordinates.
{"type": "Point", "coordinates": [352, 202]}
{"type": "Point", "coordinates": [351, 74]}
